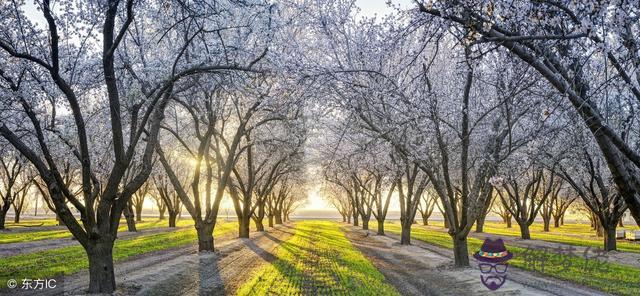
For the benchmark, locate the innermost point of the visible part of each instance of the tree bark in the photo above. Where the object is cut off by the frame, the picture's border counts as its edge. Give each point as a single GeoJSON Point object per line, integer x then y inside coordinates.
{"type": "Point", "coordinates": [524, 230]}
{"type": "Point", "coordinates": [278, 217]}
{"type": "Point", "coordinates": [460, 251]}
{"type": "Point", "coordinates": [355, 219]}
{"type": "Point", "coordinates": [479, 225]}
{"type": "Point", "coordinates": [405, 235]}
{"type": "Point", "coordinates": [3, 217]}
{"type": "Point", "coordinates": [131, 222]}
{"type": "Point", "coordinates": [101, 276]}
{"type": "Point", "coordinates": [546, 221]}
{"type": "Point", "coordinates": [610, 238]}
{"type": "Point", "coordinates": [139, 214]}
{"type": "Point", "coordinates": [205, 237]}
{"type": "Point", "coordinates": [380, 227]}
{"type": "Point", "coordinates": [161, 214]}
{"type": "Point", "coordinates": [259, 224]}
{"type": "Point", "coordinates": [270, 218]}
{"type": "Point", "coordinates": [509, 225]}
{"type": "Point", "coordinates": [243, 227]}
{"type": "Point", "coordinates": [16, 218]}
{"type": "Point", "coordinates": [425, 221]}
{"type": "Point", "coordinates": [556, 222]}
{"type": "Point", "coordinates": [365, 224]}
{"type": "Point", "coordinates": [172, 219]}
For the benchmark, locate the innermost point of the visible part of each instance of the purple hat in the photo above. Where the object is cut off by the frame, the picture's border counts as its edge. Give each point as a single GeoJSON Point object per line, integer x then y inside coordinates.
{"type": "Point", "coordinates": [493, 251]}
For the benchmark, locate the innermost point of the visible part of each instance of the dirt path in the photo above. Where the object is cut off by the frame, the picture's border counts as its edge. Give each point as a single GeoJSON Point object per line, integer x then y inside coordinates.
{"type": "Point", "coordinates": [423, 269]}
{"type": "Point", "coordinates": [13, 249]}
{"type": "Point", "coordinates": [182, 271]}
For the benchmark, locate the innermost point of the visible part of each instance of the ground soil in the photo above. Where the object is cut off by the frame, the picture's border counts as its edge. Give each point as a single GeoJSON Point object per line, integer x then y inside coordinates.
{"type": "Point", "coordinates": [423, 269]}
{"type": "Point", "coordinates": [184, 271]}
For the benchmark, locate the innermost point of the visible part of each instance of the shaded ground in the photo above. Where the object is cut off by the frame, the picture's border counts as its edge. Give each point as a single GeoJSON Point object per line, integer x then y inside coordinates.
{"type": "Point", "coordinates": [423, 269]}
{"type": "Point", "coordinates": [13, 249]}
{"type": "Point", "coordinates": [182, 271]}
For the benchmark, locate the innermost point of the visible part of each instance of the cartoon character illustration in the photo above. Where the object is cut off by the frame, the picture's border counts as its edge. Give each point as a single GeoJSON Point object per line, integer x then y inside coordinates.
{"type": "Point", "coordinates": [492, 261]}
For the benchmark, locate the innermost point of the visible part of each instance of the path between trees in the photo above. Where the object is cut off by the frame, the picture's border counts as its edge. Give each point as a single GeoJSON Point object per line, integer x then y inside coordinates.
{"type": "Point", "coordinates": [182, 271]}
{"type": "Point", "coordinates": [423, 269]}
{"type": "Point", "coordinates": [13, 249]}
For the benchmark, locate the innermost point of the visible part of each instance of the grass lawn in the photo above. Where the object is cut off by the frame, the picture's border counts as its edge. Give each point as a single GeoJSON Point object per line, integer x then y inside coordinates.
{"type": "Point", "coordinates": [572, 234]}
{"type": "Point", "coordinates": [9, 237]}
{"type": "Point", "coordinates": [67, 260]}
{"type": "Point", "coordinates": [610, 277]}
{"type": "Point", "coordinates": [318, 260]}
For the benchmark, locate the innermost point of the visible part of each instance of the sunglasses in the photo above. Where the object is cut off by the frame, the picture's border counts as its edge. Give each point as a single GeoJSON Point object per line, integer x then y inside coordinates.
{"type": "Point", "coordinates": [498, 267]}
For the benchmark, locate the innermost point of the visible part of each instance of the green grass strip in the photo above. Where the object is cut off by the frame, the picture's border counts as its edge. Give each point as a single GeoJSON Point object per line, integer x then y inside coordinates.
{"type": "Point", "coordinates": [610, 277]}
{"type": "Point", "coordinates": [27, 236]}
{"type": "Point", "coordinates": [318, 260]}
{"type": "Point", "coordinates": [67, 260]}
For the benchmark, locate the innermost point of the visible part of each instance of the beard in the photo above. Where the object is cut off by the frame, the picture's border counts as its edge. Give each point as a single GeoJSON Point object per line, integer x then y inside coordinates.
{"type": "Point", "coordinates": [493, 282]}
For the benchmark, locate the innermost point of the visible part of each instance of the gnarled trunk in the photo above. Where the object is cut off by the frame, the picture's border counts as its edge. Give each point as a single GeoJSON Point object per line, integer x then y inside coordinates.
{"type": "Point", "coordinates": [480, 225]}
{"type": "Point", "coordinates": [365, 223]}
{"type": "Point", "coordinates": [101, 275]}
{"type": "Point", "coordinates": [524, 230]}
{"type": "Point", "coordinates": [3, 217]}
{"type": "Point", "coordinates": [380, 227]}
{"type": "Point", "coordinates": [172, 219]}
{"type": "Point", "coordinates": [243, 226]}
{"type": "Point", "coordinates": [460, 251]}
{"type": "Point", "coordinates": [547, 222]}
{"type": "Point", "coordinates": [610, 238]}
{"type": "Point", "coordinates": [205, 237]}
{"type": "Point", "coordinates": [405, 234]}
{"type": "Point", "coordinates": [131, 222]}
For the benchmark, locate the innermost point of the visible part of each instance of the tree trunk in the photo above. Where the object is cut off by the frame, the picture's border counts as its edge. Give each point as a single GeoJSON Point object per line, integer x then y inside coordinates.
{"type": "Point", "coordinates": [425, 221]}
{"type": "Point", "coordinates": [259, 224]}
{"type": "Point", "coordinates": [562, 219]}
{"type": "Point", "coordinates": [243, 227]}
{"type": "Point", "coordinates": [524, 230]}
{"type": "Point", "coordinates": [172, 219]}
{"type": "Point", "coordinates": [365, 223]}
{"type": "Point", "coordinates": [546, 221]}
{"type": "Point", "coordinates": [355, 219]}
{"type": "Point", "coordinates": [620, 223]}
{"type": "Point", "coordinates": [270, 218]}
{"type": "Point", "coordinates": [556, 222]}
{"type": "Point", "coordinates": [344, 218]}
{"type": "Point", "coordinates": [610, 238]}
{"type": "Point", "coordinates": [131, 222]}
{"type": "Point", "coordinates": [599, 230]}
{"type": "Point", "coordinates": [16, 218]}
{"type": "Point", "coordinates": [349, 219]}
{"type": "Point", "coordinates": [278, 217]}
{"type": "Point", "coordinates": [161, 214]}
{"type": "Point", "coordinates": [405, 235]}
{"type": "Point", "coordinates": [139, 214]}
{"type": "Point", "coordinates": [101, 276]}
{"type": "Point", "coordinates": [3, 217]}
{"type": "Point", "coordinates": [446, 221]}
{"type": "Point", "coordinates": [205, 237]}
{"type": "Point", "coordinates": [380, 227]}
{"type": "Point", "coordinates": [480, 225]}
{"type": "Point", "coordinates": [460, 251]}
